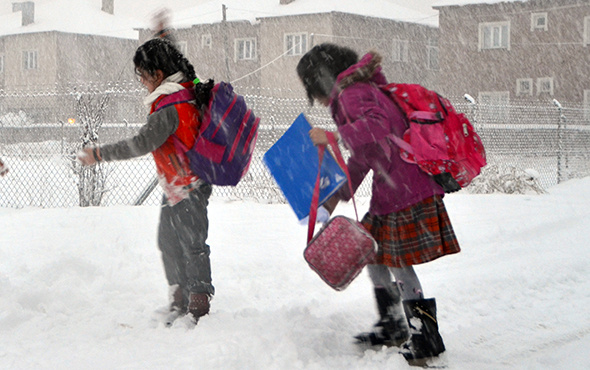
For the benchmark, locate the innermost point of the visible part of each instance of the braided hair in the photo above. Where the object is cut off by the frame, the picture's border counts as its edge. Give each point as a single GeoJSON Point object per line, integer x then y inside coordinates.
{"type": "Point", "coordinates": [161, 54]}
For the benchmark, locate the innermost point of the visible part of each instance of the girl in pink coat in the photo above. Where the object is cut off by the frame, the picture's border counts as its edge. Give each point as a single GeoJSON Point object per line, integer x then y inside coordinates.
{"type": "Point", "coordinates": [407, 216]}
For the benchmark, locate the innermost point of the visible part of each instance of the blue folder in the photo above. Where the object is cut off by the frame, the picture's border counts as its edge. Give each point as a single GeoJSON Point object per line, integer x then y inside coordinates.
{"type": "Point", "coordinates": [293, 162]}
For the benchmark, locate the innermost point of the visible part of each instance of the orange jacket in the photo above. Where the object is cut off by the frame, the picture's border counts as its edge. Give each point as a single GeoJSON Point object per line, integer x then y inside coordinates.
{"type": "Point", "coordinates": [171, 164]}
{"type": "Point", "coordinates": [181, 120]}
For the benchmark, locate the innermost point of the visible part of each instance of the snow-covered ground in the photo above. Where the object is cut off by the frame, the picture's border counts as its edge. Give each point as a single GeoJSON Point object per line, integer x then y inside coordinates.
{"type": "Point", "coordinates": [78, 288]}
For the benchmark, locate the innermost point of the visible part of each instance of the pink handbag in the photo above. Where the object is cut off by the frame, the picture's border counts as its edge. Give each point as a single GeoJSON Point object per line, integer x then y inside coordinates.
{"type": "Point", "coordinates": [343, 247]}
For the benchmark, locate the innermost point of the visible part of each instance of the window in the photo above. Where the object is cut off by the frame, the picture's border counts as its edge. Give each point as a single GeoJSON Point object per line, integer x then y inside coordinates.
{"type": "Point", "coordinates": [245, 49]}
{"type": "Point", "coordinates": [587, 105]}
{"type": "Point", "coordinates": [539, 21]}
{"type": "Point", "coordinates": [182, 47]}
{"type": "Point", "coordinates": [296, 43]}
{"type": "Point", "coordinates": [400, 51]}
{"type": "Point", "coordinates": [545, 85]}
{"type": "Point", "coordinates": [432, 54]}
{"type": "Point", "coordinates": [30, 59]}
{"type": "Point", "coordinates": [586, 31]}
{"type": "Point", "coordinates": [206, 41]}
{"type": "Point", "coordinates": [494, 35]}
{"type": "Point", "coordinates": [524, 86]}
{"type": "Point", "coordinates": [494, 105]}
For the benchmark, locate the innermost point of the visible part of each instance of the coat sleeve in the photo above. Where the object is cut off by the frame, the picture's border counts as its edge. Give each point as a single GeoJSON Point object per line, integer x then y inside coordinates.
{"type": "Point", "coordinates": [357, 171]}
{"type": "Point", "coordinates": [152, 135]}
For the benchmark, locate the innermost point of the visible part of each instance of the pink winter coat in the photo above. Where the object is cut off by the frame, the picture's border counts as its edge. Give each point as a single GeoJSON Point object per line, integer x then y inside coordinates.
{"type": "Point", "coordinates": [365, 116]}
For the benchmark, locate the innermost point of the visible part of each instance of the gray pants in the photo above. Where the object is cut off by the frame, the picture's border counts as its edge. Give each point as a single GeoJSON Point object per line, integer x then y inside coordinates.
{"type": "Point", "coordinates": [405, 277]}
{"type": "Point", "coordinates": [182, 239]}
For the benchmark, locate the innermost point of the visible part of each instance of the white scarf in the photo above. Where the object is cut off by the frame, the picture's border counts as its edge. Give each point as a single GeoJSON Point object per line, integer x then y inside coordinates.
{"type": "Point", "coordinates": [169, 85]}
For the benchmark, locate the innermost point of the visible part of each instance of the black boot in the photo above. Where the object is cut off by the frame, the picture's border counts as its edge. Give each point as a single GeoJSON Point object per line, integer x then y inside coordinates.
{"type": "Point", "coordinates": [425, 340]}
{"type": "Point", "coordinates": [391, 329]}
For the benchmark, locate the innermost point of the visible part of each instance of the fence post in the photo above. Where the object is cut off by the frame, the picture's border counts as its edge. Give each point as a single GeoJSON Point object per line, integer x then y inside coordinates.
{"type": "Point", "coordinates": [561, 153]}
{"type": "Point", "coordinates": [62, 137]}
{"type": "Point", "coordinates": [473, 106]}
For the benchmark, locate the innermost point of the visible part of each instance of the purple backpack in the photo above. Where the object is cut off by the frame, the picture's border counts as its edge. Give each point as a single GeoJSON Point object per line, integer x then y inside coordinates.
{"type": "Point", "coordinates": [223, 150]}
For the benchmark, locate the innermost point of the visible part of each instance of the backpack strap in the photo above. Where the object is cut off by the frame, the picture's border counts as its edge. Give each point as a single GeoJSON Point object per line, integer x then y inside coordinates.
{"type": "Point", "coordinates": [400, 143]}
{"type": "Point", "coordinates": [420, 117]}
{"type": "Point", "coordinates": [182, 96]}
{"type": "Point", "coordinates": [393, 137]}
{"type": "Point", "coordinates": [425, 118]}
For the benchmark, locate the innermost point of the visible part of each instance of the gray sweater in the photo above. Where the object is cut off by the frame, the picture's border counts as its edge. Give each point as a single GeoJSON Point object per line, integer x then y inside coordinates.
{"type": "Point", "coordinates": [159, 127]}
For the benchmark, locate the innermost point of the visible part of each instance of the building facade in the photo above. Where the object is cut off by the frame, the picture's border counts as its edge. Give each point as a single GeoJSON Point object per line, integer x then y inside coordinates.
{"type": "Point", "coordinates": [50, 61]}
{"type": "Point", "coordinates": [513, 51]}
{"type": "Point", "coordinates": [265, 53]}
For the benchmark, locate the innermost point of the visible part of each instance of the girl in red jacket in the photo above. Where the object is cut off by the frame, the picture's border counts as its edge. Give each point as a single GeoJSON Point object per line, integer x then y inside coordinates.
{"type": "Point", "coordinates": [184, 225]}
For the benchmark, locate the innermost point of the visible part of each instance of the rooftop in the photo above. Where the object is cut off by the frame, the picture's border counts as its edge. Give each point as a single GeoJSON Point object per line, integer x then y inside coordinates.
{"type": "Point", "coordinates": [86, 16]}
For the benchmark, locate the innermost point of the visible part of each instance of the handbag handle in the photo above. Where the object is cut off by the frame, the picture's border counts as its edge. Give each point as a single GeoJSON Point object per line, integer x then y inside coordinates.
{"type": "Point", "coordinates": [313, 211]}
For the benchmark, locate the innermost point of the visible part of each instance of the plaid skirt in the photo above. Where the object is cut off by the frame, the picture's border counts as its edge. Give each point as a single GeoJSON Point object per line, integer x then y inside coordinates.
{"type": "Point", "coordinates": [417, 234]}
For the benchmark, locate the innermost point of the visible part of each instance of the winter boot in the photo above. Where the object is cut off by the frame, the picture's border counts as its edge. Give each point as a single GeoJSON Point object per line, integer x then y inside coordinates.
{"type": "Point", "coordinates": [178, 300]}
{"type": "Point", "coordinates": [425, 340]}
{"type": "Point", "coordinates": [178, 305]}
{"type": "Point", "coordinates": [198, 305]}
{"type": "Point", "coordinates": [391, 329]}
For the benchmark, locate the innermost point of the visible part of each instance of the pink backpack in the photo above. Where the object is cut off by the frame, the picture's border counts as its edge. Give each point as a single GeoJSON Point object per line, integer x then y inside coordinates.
{"type": "Point", "coordinates": [439, 140]}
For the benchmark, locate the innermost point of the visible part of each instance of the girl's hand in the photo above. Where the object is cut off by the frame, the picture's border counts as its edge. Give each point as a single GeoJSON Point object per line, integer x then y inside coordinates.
{"type": "Point", "coordinates": [318, 136]}
{"type": "Point", "coordinates": [86, 156]}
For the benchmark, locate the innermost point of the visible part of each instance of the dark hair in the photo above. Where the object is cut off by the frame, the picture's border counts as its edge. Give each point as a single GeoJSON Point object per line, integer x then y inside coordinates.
{"type": "Point", "coordinates": [319, 68]}
{"type": "Point", "coordinates": [160, 53]}
{"type": "Point", "coordinates": [203, 93]}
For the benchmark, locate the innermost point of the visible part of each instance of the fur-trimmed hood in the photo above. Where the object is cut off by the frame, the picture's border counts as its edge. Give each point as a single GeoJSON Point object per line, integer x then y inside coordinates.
{"type": "Point", "coordinates": [368, 69]}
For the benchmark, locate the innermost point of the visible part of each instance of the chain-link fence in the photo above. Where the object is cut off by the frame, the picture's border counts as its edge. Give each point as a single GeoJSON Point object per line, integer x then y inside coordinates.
{"type": "Point", "coordinates": [40, 131]}
{"type": "Point", "coordinates": [547, 138]}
